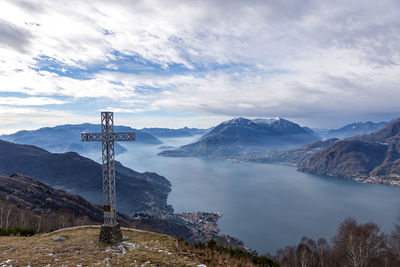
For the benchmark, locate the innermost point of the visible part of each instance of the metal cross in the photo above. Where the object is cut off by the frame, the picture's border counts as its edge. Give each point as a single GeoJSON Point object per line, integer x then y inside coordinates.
{"type": "Point", "coordinates": [107, 138]}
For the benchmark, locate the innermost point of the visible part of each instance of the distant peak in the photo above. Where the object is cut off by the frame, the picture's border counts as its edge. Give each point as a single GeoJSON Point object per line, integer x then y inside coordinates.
{"type": "Point", "coordinates": [237, 120]}
{"type": "Point", "coordinates": [267, 121]}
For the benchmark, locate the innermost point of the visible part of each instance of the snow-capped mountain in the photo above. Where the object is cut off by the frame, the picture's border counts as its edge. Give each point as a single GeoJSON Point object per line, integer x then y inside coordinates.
{"type": "Point", "coordinates": [240, 136]}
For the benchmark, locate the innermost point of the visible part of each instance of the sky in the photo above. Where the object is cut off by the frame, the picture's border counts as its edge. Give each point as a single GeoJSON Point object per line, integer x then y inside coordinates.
{"type": "Point", "coordinates": [195, 63]}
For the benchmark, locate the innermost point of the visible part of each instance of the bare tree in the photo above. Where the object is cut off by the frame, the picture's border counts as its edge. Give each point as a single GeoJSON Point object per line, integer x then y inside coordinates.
{"type": "Point", "coordinates": [65, 218]}
{"type": "Point", "coordinates": [357, 245]}
{"type": "Point", "coordinates": [11, 216]}
{"type": "Point", "coordinates": [323, 252]}
{"type": "Point", "coordinates": [394, 240]}
{"type": "Point", "coordinates": [304, 255]}
{"type": "Point", "coordinates": [2, 213]}
{"type": "Point", "coordinates": [287, 257]}
{"type": "Point", "coordinates": [393, 244]}
{"type": "Point", "coordinates": [23, 217]}
{"type": "Point", "coordinates": [7, 214]}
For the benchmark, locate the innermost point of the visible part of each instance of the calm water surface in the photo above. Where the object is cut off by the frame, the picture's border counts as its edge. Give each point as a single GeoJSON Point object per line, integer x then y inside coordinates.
{"type": "Point", "coordinates": [267, 206]}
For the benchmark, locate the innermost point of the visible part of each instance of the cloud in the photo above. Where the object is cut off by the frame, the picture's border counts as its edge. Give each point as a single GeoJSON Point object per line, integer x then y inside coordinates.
{"type": "Point", "coordinates": [29, 118]}
{"type": "Point", "coordinates": [122, 110]}
{"type": "Point", "coordinates": [14, 37]}
{"type": "Point", "coordinates": [206, 32]}
{"type": "Point", "coordinates": [294, 59]}
{"type": "Point", "coordinates": [30, 101]}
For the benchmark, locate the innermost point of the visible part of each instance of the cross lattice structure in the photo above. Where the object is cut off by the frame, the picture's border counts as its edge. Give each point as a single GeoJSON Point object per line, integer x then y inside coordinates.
{"type": "Point", "coordinates": [108, 137]}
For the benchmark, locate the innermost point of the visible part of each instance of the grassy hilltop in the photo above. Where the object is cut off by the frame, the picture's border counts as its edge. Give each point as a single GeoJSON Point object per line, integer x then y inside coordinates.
{"type": "Point", "coordinates": [140, 248]}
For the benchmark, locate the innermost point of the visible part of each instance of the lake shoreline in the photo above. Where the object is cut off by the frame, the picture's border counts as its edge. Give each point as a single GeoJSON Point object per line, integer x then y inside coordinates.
{"type": "Point", "coordinates": [260, 201]}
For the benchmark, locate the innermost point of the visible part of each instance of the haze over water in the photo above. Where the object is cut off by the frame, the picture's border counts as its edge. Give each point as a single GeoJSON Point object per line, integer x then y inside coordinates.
{"type": "Point", "coordinates": [267, 206]}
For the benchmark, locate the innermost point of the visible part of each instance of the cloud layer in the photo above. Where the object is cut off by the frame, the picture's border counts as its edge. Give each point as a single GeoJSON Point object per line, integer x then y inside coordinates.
{"type": "Point", "coordinates": [321, 63]}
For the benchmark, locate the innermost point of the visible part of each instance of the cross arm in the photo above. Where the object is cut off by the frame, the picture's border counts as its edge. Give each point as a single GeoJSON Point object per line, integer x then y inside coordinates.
{"type": "Point", "coordinates": [123, 136]}
{"type": "Point", "coordinates": [119, 136]}
{"type": "Point", "coordinates": [92, 137]}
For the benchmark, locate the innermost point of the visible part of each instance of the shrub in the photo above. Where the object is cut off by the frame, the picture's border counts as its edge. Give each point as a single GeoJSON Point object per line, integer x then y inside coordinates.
{"type": "Point", "coordinates": [17, 230]}
{"type": "Point", "coordinates": [4, 232]}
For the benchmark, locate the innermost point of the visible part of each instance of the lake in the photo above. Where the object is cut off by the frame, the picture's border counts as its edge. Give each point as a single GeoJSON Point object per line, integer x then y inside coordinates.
{"type": "Point", "coordinates": [268, 206]}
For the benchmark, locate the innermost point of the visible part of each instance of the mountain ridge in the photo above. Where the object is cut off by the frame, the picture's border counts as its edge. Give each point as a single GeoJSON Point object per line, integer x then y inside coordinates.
{"type": "Point", "coordinates": [172, 133]}
{"type": "Point", "coordinates": [355, 129]}
{"type": "Point", "coordinates": [373, 158]}
{"type": "Point", "coordinates": [70, 134]}
{"type": "Point", "coordinates": [43, 205]}
{"type": "Point", "coordinates": [292, 156]}
{"type": "Point", "coordinates": [240, 136]}
{"type": "Point", "coordinates": [79, 175]}
{"type": "Point", "coordinates": [40, 198]}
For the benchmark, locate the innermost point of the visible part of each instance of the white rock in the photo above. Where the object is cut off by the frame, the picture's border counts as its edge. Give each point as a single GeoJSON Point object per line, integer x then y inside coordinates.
{"type": "Point", "coordinates": [59, 238]}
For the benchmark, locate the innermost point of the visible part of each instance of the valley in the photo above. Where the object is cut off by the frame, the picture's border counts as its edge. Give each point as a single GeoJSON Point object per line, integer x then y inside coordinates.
{"type": "Point", "coordinates": [209, 196]}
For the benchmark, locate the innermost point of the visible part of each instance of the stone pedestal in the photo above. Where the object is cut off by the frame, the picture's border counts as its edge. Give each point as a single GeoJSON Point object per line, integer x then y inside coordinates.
{"type": "Point", "coordinates": [110, 234]}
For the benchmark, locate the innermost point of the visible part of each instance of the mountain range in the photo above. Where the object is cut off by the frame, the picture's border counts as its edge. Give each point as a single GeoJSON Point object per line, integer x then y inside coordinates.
{"type": "Point", "coordinates": [172, 133]}
{"type": "Point", "coordinates": [65, 138]}
{"type": "Point", "coordinates": [43, 202]}
{"type": "Point", "coordinates": [373, 158]}
{"type": "Point", "coordinates": [370, 158]}
{"type": "Point", "coordinates": [353, 129]}
{"type": "Point", "coordinates": [136, 192]}
{"type": "Point", "coordinates": [292, 156]}
{"type": "Point", "coordinates": [241, 136]}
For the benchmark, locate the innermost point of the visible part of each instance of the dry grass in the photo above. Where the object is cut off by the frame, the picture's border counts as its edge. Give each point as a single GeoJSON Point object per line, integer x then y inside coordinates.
{"type": "Point", "coordinates": [216, 255]}
{"type": "Point", "coordinates": [215, 258]}
{"type": "Point", "coordinates": [81, 248]}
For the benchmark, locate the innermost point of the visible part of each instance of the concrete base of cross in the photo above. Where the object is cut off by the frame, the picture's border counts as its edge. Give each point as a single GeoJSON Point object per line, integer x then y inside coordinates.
{"type": "Point", "coordinates": [110, 234]}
